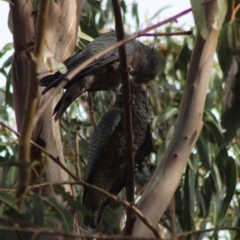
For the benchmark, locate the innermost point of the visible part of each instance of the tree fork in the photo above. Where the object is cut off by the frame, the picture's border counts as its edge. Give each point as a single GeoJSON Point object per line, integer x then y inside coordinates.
{"type": "Point", "coordinates": [31, 105]}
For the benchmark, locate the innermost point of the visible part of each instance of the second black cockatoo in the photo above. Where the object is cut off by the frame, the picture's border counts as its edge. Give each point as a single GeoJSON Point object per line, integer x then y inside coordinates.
{"type": "Point", "coordinates": [106, 166]}
{"type": "Point", "coordinates": [104, 73]}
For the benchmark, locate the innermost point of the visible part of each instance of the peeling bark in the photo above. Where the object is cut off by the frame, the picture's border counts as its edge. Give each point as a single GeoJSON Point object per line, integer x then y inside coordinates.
{"type": "Point", "coordinates": [59, 43]}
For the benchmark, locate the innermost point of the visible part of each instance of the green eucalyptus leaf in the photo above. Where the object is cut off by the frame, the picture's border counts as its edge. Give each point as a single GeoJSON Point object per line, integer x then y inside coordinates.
{"type": "Point", "coordinates": [221, 14]}
{"type": "Point", "coordinates": [187, 219]}
{"type": "Point", "coordinates": [6, 48]}
{"type": "Point", "coordinates": [231, 177]}
{"type": "Point", "coordinates": [75, 205]}
{"type": "Point", "coordinates": [37, 210]}
{"type": "Point", "coordinates": [165, 115]}
{"type": "Point", "coordinates": [8, 200]}
{"type": "Point", "coordinates": [25, 218]}
{"type": "Point", "coordinates": [199, 17]}
{"type": "Point", "coordinates": [11, 176]}
{"type": "Point", "coordinates": [62, 68]}
{"type": "Point", "coordinates": [193, 173]}
{"type": "Point", "coordinates": [205, 196]}
{"type": "Point", "coordinates": [62, 214]}
{"type": "Point", "coordinates": [22, 164]}
{"type": "Point", "coordinates": [204, 150]}
{"type": "Point", "coordinates": [135, 13]}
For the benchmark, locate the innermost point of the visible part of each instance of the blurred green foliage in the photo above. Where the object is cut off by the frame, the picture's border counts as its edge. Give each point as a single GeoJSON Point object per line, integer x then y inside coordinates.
{"type": "Point", "coordinates": [208, 194]}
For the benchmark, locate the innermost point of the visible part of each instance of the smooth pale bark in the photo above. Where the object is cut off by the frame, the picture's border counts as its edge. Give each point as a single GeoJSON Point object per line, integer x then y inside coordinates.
{"type": "Point", "coordinates": [166, 178]}
{"type": "Point", "coordinates": [59, 43]}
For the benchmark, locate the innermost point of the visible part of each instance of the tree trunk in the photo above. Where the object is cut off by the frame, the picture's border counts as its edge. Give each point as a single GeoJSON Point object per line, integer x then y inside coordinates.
{"type": "Point", "coordinates": [23, 39]}
{"type": "Point", "coordinates": [166, 178]}
{"type": "Point", "coordinates": [59, 44]}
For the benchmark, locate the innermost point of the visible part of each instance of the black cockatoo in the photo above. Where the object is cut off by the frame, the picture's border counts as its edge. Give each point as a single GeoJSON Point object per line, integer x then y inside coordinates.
{"type": "Point", "coordinates": [106, 166]}
{"type": "Point", "coordinates": [104, 73]}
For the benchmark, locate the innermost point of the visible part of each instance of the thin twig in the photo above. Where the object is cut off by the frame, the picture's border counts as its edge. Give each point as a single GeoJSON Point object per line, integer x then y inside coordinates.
{"type": "Point", "coordinates": [107, 194]}
{"type": "Point", "coordinates": [166, 34]}
{"type": "Point", "coordinates": [77, 154]}
{"type": "Point", "coordinates": [120, 43]}
{"type": "Point", "coordinates": [127, 115]}
{"type": "Point", "coordinates": [96, 57]}
{"type": "Point", "coordinates": [207, 230]}
{"type": "Point", "coordinates": [45, 231]}
{"type": "Point", "coordinates": [13, 221]}
{"type": "Point", "coordinates": [110, 196]}
{"type": "Point", "coordinates": [236, 9]}
{"type": "Point", "coordinates": [56, 160]}
{"type": "Point", "coordinates": [115, 199]}
{"type": "Point", "coordinates": [38, 231]}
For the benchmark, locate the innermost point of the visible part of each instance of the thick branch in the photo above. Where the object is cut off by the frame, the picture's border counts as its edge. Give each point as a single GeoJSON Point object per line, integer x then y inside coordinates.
{"type": "Point", "coordinates": [166, 178]}
{"type": "Point", "coordinates": [23, 39]}
{"type": "Point", "coordinates": [59, 44]}
{"type": "Point", "coordinates": [31, 105]}
{"type": "Point", "coordinates": [127, 115]}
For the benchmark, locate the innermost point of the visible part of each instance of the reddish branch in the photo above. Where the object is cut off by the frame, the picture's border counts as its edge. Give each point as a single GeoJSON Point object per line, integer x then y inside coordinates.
{"type": "Point", "coordinates": [166, 34]}
{"type": "Point", "coordinates": [127, 115]}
